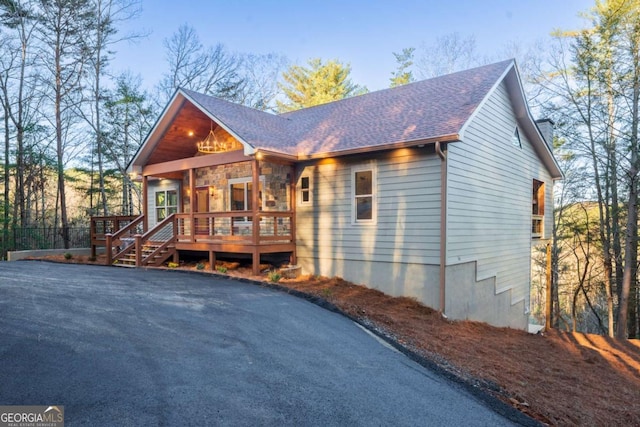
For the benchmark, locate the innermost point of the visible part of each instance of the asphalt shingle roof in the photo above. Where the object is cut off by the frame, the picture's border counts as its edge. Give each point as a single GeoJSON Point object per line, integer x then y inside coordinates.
{"type": "Point", "coordinates": [422, 110]}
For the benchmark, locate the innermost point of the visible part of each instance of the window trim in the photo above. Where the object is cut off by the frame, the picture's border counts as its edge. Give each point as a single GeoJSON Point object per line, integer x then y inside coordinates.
{"type": "Point", "coordinates": [370, 167]}
{"type": "Point", "coordinates": [538, 190]}
{"type": "Point", "coordinates": [308, 190]}
{"type": "Point", "coordinates": [166, 206]}
{"type": "Point", "coordinates": [245, 181]}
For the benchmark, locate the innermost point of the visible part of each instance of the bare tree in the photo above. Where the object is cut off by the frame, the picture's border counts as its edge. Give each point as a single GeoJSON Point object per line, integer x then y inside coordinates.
{"type": "Point", "coordinates": [451, 52]}
{"type": "Point", "coordinates": [101, 38]}
{"type": "Point", "coordinates": [211, 70]}
{"type": "Point", "coordinates": [20, 18]}
{"type": "Point", "coordinates": [64, 50]}
{"type": "Point", "coordinates": [260, 76]}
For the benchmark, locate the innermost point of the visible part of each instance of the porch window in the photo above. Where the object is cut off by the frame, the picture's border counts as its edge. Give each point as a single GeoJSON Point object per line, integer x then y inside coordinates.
{"type": "Point", "coordinates": [537, 209]}
{"type": "Point", "coordinates": [305, 190]}
{"type": "Point", "coordinates": [166, 204]}
{"type": "Point", "coordinates": [364, 200]}
{"type": "Point", "coordinates": [240, 195]}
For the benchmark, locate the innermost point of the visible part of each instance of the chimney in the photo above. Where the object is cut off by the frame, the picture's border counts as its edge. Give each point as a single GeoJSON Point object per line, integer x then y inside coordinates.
{"type": "Point", "coordinates": [545, 126]}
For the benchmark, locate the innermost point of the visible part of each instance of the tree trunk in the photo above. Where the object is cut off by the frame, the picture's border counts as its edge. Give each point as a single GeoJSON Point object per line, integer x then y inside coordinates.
{"type": "Point", "coordinates": [7, 182]}
{"type": "Point", "coordinates": [64, 221]}
{"type": "Point", "coordinates": [631, 238]}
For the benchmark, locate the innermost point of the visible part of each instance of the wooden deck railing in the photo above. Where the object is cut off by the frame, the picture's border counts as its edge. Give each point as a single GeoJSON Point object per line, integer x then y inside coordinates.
{"type": "Point", "coordinates": [115, 225]}
{"type": "Point", "coordinates": [126, 241]}
{"type": "Point", "coordinates": [236, 227]}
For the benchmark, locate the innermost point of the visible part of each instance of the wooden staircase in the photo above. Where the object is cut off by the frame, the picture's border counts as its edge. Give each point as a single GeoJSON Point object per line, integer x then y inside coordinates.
{"type": "Point", "coordinates": [154, 254]}
{"type": "Point", "coordinates": [129, 248]}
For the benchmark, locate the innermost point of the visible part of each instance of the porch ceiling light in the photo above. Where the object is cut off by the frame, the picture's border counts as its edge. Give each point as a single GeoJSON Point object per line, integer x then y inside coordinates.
{"type": "Point", "coordinates": [211, 144]}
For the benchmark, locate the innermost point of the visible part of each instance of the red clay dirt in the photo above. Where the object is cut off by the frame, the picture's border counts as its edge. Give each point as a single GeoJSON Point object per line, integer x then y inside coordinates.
{"type": "Point", "coordinates": [558, 378]}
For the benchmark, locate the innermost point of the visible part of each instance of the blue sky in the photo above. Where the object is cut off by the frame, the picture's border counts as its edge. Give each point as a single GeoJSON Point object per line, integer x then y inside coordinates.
{"type": "Point", "coordinates": [361, 33]}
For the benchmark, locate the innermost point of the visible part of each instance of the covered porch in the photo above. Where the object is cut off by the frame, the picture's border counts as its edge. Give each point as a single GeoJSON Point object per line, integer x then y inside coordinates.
{"type": "Point", "coordinates": [203, 189]}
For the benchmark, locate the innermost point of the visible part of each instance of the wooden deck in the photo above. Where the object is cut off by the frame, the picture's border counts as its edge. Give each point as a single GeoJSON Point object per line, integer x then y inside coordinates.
{"type": "Point", "coordinates": [242, 232]}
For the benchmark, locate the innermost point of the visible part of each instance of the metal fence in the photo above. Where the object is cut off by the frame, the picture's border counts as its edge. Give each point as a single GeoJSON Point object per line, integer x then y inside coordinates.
{"type": "Point", "coordinates": [31, 238]}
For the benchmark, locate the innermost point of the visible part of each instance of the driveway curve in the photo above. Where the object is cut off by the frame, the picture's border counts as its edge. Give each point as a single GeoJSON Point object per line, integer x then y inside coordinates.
{"type": "Point", "coordinates": [139, 347]}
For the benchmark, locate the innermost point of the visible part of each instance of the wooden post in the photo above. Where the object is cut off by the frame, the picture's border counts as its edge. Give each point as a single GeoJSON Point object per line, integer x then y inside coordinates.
{"type": "Point", "coordinates": [92, 236]}
{"type": "Point", "coordinates": [292, 209]}
{"type": "Point", "coordinates": [145, 204]}
{"type": "Point", "coordinates": [192, 204]}
{"type": "Point", "coordinates": [549, 302]}
{"type": "Point", "coordinates": [255, 209]}
{"type": "Point", "coordinates": [108, 242]}
{"type": "Point", "coordinates": [212, 261]}
{"type": "Point", "coordinates": [256, 261]}
{"type": "Point", "coordinates": [138, 249]}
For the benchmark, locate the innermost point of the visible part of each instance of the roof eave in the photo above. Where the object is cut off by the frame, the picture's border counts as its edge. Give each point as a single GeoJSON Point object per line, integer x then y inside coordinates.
{"type": "Point", "coordinates": [375, 148]}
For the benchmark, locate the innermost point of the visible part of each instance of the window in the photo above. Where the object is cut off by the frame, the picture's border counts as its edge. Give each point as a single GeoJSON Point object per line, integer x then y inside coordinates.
{"type": "Point", "coordinates": [166, 204]}
{"type": "Point", "coordinates": [241, 194]}
{"type": "Point", "coordinates": [515, 139]}
{"type": "Point", "coordinates": [364, 197]}
{"type": "Point", "coordinates": [305, 190]}
{"type": "Point", "coordinates": [537, 209]}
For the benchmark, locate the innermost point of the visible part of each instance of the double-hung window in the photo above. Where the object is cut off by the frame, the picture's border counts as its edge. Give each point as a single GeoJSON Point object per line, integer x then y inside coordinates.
{"type": "Point", "coordinates": [364, 197]}
{"type": "Point", "coordinates": [166, 204]}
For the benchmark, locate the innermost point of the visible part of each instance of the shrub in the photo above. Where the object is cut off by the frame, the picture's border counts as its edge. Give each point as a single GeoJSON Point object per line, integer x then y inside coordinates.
{"type": "Point", "coordinates": [173, 265]}
{"type": "Point", "coordinates": [68, 255]}
{"type": "Point", "coordinates": [221, 269]}
{"type": "Point", "coordinates": [200, 266]}
{"type": "Point", "coordinates": [274, 276]}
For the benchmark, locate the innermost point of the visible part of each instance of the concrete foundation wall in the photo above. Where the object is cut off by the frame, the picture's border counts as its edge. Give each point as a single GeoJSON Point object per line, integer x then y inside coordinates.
{"type": "Point", "coordinates": [18, 255]}
{"type": "Point", "coordinates": [468, 299]}
{"type": "Point", "coordinates": [420, 281]}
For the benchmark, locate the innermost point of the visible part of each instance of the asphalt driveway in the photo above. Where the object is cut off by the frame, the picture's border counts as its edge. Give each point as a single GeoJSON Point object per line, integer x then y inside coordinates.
{"type": "Point", "coordinates": [132, 347]}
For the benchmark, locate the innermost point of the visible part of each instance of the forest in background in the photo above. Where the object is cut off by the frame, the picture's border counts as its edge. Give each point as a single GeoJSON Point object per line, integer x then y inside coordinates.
{"type": "Point", "coordinates": [69, 127]}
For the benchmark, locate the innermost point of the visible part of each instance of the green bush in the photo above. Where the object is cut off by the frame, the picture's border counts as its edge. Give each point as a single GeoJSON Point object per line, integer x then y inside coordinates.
{"type": "Point", "coordinates": [200, 266]}
{"type": "Point", "coordinates": [68, 255]}
{"type": "Point", "coordinates": [274, 276]}
{"type": "Point", "coordinates": [221, 269]}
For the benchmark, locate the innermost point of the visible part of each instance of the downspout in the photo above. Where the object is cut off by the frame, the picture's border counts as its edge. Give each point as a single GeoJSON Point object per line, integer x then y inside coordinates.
{"type": "Point", "coordinates": [443, 224]}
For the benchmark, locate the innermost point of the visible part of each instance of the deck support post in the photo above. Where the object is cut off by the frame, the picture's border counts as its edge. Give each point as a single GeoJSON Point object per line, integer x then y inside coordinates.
{"type": "Point", "coordinates": [256, 261]}
{"type": "Point", "coordinates": [212, 261]}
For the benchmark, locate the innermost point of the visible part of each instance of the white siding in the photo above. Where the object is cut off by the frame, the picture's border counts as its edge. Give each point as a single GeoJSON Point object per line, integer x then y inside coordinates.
{"type": "Point", "coordinates": [407, 229]}
{"type": "Point", "coordinates": [489, 198]}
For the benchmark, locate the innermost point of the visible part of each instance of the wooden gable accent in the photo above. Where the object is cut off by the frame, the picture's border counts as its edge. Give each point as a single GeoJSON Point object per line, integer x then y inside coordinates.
{"type": "Point", "coordinates": [187, 127]}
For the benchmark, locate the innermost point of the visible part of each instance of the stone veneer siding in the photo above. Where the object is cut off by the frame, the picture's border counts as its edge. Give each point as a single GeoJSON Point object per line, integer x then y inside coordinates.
{"type": "Point", "coordinates": [276, 192]}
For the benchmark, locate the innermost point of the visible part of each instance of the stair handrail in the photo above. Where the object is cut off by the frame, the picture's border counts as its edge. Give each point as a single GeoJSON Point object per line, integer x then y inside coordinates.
{"type": "Point", "coordinates": [116, 239]}
{"type": "Point", "coordinates": [159, 226]}
{"type": "Point", "coordinates": [143, 239]}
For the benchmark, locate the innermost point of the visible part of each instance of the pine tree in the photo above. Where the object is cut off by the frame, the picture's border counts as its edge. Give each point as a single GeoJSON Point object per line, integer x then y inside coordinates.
{"type": "Point", "coordinates": [317, 84]}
